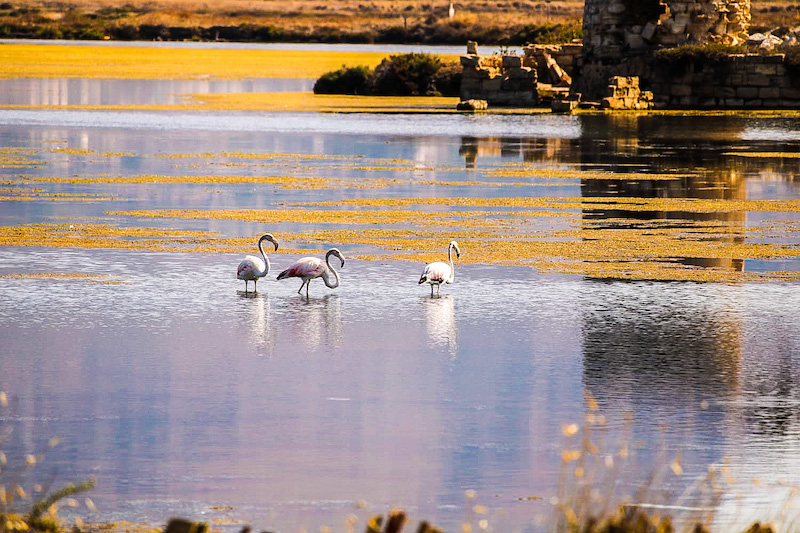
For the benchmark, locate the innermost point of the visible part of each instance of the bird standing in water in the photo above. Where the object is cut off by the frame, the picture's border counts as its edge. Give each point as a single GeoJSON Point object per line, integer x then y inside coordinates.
{"type": "Point", "coordinates": [308, 268]}
{"type": "Point", "coordinates": [440, 272]}
{"type": "Point", "coordinates": [252, 268]}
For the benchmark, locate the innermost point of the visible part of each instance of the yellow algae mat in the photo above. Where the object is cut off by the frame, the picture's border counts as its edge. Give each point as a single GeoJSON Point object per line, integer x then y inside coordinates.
{"type": "Point", "coordinates": [599, 236]}
{"type": "Point", "coordinates": [171, 63]}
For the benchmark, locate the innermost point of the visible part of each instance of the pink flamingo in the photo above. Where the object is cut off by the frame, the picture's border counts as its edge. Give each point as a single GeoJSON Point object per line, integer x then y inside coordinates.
{"type": "Point", "coordinates": [309, 268]}
{"type": "Point", "coordinates": [252, 267]}
{"type": "Point", "coordinates": [440, 272]}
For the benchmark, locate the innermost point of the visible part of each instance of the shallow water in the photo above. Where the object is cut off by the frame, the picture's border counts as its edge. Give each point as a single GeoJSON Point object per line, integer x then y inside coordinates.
{"type": "Point", "coordinates": [184, 395]}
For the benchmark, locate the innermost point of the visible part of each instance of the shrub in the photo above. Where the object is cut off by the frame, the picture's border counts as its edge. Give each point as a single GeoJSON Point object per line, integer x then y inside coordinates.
{"type": "Point", "coordinates": [547, 34]}
{"type": "Point", "coordinates": [679, 60]}
{"type": "Point", "coordinates": [406, 74]}
{"type": "Point", "coordinates": [447, 81]}
{"type": "Point", "coordinates": [346, 80]}
{"type": "Point", "coordinates": [792, 60]}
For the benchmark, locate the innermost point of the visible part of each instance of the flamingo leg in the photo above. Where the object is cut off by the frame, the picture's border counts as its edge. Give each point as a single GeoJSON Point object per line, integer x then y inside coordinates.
{"type": "Point", "coordinates": [255, 285]}
{"type": "Point", "coordinates": [431, 290]}
{"type": "Point", "coordinates": [300, 290]}
{"type": "Point", "coordinates": [308, 284]}
{"type": "Point", "coordinates": [245, 285]}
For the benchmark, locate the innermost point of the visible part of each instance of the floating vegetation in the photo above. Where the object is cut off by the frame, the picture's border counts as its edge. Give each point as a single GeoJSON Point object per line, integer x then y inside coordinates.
{"type": "Point", "coordinates": [168, 63]}
{"type": "Point", "coordinates": [551, 173]}
{"type": "Point", "coordinates": [766, 155]}
{"type": "Point", "coordinates": [9, 194]}
{"type": "Point", "coordinates": [92, 278]}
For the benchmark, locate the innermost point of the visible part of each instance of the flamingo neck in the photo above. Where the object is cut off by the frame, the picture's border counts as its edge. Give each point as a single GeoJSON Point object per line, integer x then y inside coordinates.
{"type": "Point", "coordinates": [452, 266]}
{"type": "Point", "coordinates": [264, 255]}
{"type": "Point", "coordinates": [326, 275]}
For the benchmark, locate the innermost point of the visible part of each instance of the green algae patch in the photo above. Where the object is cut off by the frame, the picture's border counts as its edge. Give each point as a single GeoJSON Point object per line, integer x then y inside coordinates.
{"type": "Point", "coordinates": [141, 62]}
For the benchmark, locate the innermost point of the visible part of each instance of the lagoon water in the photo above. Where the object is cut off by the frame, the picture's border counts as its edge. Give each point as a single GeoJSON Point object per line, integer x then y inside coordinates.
{"type": "Point", "coordinates": [185, 396]}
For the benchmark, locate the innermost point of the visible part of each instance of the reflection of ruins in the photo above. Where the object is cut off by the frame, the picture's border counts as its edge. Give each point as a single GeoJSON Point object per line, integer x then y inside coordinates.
{"type": "Point", "coordinates": [704, 180]}
{"type": "Point", "coordinates": [697, 150]}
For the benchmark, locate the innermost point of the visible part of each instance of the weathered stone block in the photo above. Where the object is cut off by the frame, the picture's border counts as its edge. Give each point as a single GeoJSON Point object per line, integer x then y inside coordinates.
{"type": "Point", "coordinates": [472, 105]}
{"type": "Point", "coordinates": [747, 92]}
{"type": "Point", "coordinates": [759, 80]}
{"type": "Point", "coordinates": [725, 92]}
{"type": "Point", "coordinates": [525, 73]}
{"type": "Point", "coordinates": [769, 92]}
{"type": "Point", "coordinates": [791, 93]}
{"type": "Point", "coordinates": [680, 90]}
{"type": "Point", "coordinates": [512, 62]}
{"type": "Point", "coordinates": [772, 103]}
{"type": "Point", "coordinates": [649, 31]}
{"type": "Point", "coordinates": [472, 47]}
{"type": "Point", "coordinates": [734, 102]}
{"type": "Point", "coordinates": [470, 61]}
{"type": "Point", "coordinates": [754, 103]}
{"type": "Point", "coordinates": [493, 84]}
{"type": "Point", "coordinates": [765, 68]}
{"type": "Point", "coordinates": [790, 104]}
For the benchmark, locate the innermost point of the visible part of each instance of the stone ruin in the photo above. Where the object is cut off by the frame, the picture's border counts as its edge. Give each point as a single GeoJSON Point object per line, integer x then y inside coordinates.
{"type": "Point", "coordinates": [613, 28]}
{"type": "Point", "coordinates": [516, 80]}
{"type": "Point", "coordinates": [617, 56]}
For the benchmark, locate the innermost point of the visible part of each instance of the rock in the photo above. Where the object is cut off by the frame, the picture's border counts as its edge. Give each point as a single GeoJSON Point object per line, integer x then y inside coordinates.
{"type": "Point", "coordinates": [770, 42]}
{"type": "Point", "coordinates": [512, 62]}
{"type": "Point", "coordinates": [472, 105]}
{"type": "Point", "coordinates": [179, 525]}
{"type": "Point", "coordinates": [472, 48]}
{"type": "Point", "coordinates": [563, 106]}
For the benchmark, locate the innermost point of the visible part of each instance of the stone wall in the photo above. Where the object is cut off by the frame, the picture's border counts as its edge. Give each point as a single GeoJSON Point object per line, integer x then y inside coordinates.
{"type": "Point", "coordinates": [566, 55]}
{"type": "Point", "coordinates": [612, 28]}
{"type": "Point", "coordinates": [499, 80]}
{"type": "Point", "coordinates": [751, 81]}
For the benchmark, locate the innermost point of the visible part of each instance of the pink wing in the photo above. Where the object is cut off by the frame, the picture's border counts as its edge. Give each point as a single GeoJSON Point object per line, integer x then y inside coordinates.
{"type": "Point", "coordinates": [306, 267]}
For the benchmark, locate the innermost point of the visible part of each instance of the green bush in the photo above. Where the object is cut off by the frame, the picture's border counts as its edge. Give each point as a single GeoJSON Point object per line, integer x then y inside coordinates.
{"type": "Point", "coordinates": [792, 60]}
{"type": "Point", "coordinates": [447, 81]}
{"type": "Point", "coordinates": [398, 75]}
{"type": "Point", "coordinates": [547, 33]}
{"type": "Point", "coordinates": [346, 80]}
{"type": "Point", "coordinates": [680, 60]}
{"type": "Point", "coordinates": [406, 75]}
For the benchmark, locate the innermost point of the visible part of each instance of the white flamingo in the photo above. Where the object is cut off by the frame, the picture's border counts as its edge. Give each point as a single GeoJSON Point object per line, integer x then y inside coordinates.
{"type": "Point", "coordinates": [440, 272]}
{"type": "Point", "coordinates": [308, 268]}
{"type": "Point", "coordinates": [252, 267]}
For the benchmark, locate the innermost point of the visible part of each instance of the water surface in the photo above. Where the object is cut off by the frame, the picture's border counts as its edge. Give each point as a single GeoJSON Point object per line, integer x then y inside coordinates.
{"type": "Point", "coordinates": [184, 395]}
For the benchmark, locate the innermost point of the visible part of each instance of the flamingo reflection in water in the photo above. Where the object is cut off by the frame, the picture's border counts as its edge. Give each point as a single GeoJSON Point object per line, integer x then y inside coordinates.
{"type": "Point", "coordinates": [440, 323]}
{"type": "Point", "coordinates": [440, 272]}
{"type": "Point", "coordinates": [252, 268]}
{"type": "Point", "coordinates": [308, 268]}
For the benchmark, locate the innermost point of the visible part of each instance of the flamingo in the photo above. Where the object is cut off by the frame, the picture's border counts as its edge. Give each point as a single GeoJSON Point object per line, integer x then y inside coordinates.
{"type": "Point", "coordinates": [440, 272]}
{"type": "Point", "coordinates": [252, 267]}
{"type": "Point", "coordinates": [308, 268]}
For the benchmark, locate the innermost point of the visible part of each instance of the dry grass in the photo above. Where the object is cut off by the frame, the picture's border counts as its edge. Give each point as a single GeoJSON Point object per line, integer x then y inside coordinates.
{"type": "Point", "coordinates": [333, 21]}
